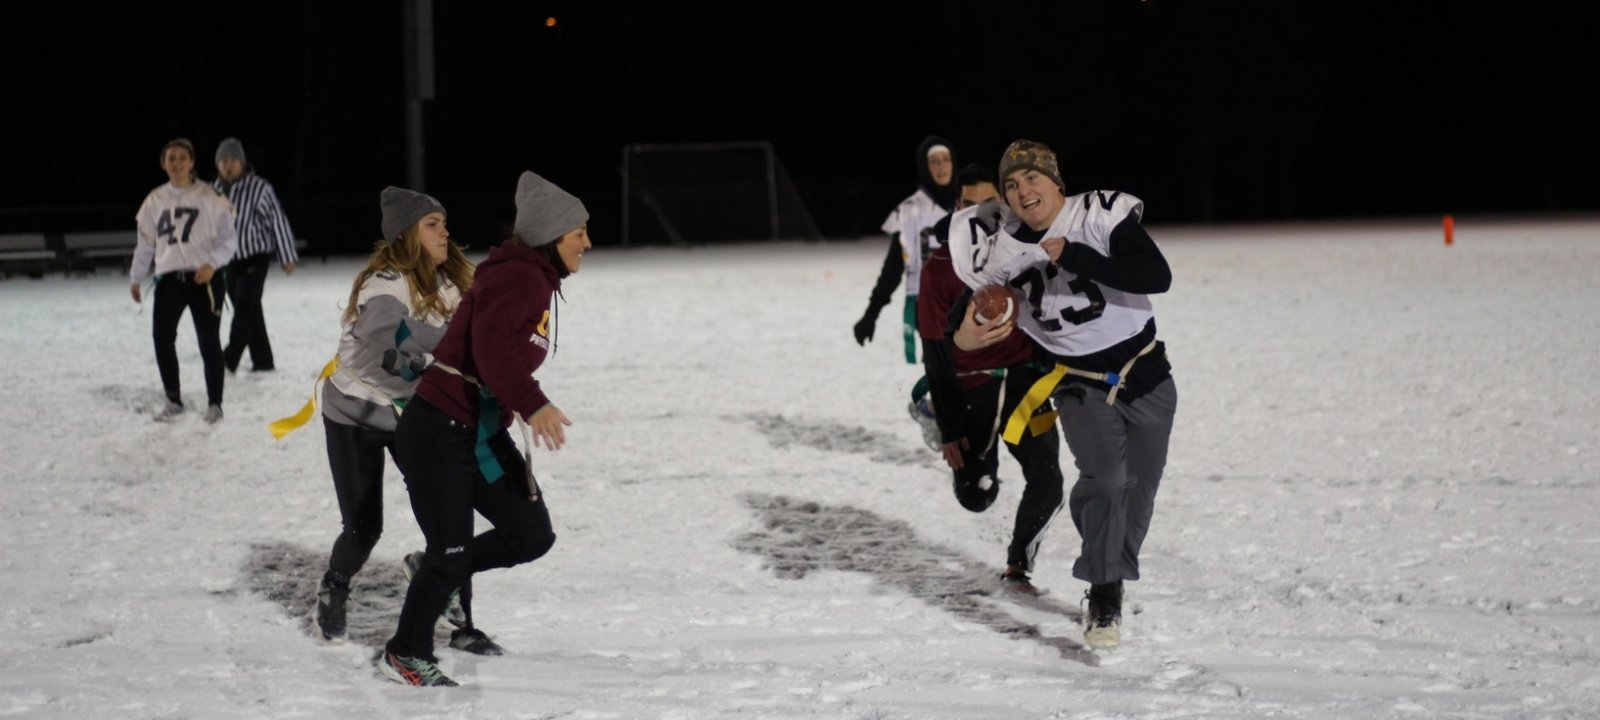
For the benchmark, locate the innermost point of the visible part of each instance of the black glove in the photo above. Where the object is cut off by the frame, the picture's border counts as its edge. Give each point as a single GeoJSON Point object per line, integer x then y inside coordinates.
{"type": "Point", "coordinates": [406, 365]}
{"type": "Point", "coordinates": [867, 325]}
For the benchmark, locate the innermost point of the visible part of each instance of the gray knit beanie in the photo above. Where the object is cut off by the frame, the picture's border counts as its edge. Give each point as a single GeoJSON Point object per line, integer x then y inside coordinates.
{"type": "Point", "coordinates": [545, 212]}
{"type": "Point", "coordinates": [230, 148]}
{"type": "Point", "coordinates": [402, 208]}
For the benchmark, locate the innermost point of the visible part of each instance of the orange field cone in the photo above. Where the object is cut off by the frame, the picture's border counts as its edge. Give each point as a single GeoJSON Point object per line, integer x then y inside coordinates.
{"type": "Point", "coordinates": [1449, 230]}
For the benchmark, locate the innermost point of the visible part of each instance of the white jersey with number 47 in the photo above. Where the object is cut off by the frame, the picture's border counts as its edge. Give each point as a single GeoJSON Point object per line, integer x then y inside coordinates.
{"type": "Point", "coordinates": [182, 229]}
{"type": "Point", "coordinates": [1066, 314]}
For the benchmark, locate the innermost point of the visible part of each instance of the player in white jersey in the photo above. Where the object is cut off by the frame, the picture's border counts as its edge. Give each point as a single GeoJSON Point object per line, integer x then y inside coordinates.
{"type": "Point", "coordinates": [186, 235]}
{"type": "Point", "coordinates": [1087, 268]}
{"type": "Point", "coordinates": [911, 239]}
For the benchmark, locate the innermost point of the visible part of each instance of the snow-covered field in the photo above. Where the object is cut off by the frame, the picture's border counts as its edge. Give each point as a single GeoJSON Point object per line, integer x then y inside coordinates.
{"type": "Point", "coordinates": [1381, 503]}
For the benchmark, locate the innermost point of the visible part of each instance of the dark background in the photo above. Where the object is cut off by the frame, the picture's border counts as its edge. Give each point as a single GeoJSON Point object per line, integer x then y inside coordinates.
{"type": "Point", "coordinates": [1211, 111]}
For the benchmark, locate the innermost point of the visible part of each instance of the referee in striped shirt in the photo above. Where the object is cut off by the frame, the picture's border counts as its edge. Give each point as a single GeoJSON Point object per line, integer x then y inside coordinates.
{"type": "Point", "coordinates": [264, 235]}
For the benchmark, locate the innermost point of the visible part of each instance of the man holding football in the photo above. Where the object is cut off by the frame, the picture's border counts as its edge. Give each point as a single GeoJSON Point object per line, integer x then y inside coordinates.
{"type": "Point", "coordinates": [1086, 267]}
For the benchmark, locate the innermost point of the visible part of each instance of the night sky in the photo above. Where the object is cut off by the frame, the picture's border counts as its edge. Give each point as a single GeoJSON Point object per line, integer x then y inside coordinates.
{"type": "Point", "coordinates": [1210, 111]}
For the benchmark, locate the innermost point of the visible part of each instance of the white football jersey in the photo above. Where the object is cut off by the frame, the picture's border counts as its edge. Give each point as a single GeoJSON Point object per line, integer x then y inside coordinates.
{"type": "Point", "coordinates": [914, 219]}
{"type": "Point", "coordinates": [183, 229]}
{"type": "Point", "coordinates": [385, 301]}
{"type": "Point", "coordinates": [1067, 315]}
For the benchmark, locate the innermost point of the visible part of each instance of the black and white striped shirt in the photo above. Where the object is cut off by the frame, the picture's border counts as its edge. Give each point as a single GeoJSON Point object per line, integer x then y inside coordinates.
{"type": "Point", "coordinates": [260, 222]}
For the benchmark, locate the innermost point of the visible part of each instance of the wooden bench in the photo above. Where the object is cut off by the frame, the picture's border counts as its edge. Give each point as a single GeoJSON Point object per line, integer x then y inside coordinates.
{"type": "Point", "coordinates": [27, 253]}
{"type": "Point", "coordinates": [84, 252]}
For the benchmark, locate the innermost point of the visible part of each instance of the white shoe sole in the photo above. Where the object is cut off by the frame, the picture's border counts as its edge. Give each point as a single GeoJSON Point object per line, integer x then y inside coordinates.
{"type": "Point", "coordinates": [1103, 638]}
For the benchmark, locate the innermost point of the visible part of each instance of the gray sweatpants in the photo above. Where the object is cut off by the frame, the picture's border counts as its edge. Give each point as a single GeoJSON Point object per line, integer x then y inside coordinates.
{"type": "Point", "coordinates": [1120, 451]}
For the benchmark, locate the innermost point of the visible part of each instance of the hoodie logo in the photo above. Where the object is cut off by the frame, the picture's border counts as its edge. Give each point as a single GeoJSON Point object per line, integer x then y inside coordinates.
{"type": "Point", "coordinates": [541, 331]}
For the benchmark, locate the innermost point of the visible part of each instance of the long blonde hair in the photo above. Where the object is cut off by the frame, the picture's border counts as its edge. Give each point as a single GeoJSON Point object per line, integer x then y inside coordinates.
{"type": "Point", "coordinates": [406, 256]}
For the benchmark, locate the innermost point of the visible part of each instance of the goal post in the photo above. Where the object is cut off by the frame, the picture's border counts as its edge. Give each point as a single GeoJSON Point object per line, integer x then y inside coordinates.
{"type": "Point", "coordinates": [693, 193]}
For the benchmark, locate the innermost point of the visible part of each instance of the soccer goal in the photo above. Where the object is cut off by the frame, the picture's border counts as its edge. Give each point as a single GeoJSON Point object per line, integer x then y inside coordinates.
{"type": "Point", "coordinates": [696, 193]}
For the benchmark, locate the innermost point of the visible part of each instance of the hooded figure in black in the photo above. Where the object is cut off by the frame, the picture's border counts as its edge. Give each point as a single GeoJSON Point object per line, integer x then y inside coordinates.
{"type": "Point", "coordinates": [911, 238]}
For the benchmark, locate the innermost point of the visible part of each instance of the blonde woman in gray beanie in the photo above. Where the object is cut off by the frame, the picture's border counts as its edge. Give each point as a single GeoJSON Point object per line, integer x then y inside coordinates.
{"type": "Point", "coordinates": [452, 443]}
{"type": "Point", "coordinates": [400, 304]}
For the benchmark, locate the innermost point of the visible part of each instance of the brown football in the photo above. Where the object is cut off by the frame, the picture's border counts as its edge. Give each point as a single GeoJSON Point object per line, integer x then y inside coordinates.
{"type": "Point", "coordinates": [994, 303]}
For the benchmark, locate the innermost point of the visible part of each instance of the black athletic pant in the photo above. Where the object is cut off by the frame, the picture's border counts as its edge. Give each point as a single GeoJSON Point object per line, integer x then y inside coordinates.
{"type": "Point", "coordinates": [1039, 456]}
{"type": "Point", "coordinates": [355, 455]}
{"type": "Point", "coordinates": [174, 293]}
{"type": "Point", "coordinates": [435, 453]}
{"type": "Point", "coordinates": [247, 279]}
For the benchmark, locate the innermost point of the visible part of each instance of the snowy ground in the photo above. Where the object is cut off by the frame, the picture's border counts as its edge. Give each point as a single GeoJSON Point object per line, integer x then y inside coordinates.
{"type": "Point", "coordinates": [1381, 503]}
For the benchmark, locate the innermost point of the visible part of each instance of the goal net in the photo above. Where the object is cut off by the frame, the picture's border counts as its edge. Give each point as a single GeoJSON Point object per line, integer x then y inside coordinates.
{"type": "Point", "coordinates": [709, 192]}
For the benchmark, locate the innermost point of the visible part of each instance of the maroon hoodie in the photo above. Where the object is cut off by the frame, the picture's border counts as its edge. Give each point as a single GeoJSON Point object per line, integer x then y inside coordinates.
{"type": "Point", "coordinates": [499, 334]}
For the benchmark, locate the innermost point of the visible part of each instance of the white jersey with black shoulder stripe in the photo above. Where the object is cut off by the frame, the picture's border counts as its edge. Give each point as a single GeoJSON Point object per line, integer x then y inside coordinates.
{"type": "Point", "coordinates": [914, 219]}
{"type": "Point", "coordinates": [1066, 314]}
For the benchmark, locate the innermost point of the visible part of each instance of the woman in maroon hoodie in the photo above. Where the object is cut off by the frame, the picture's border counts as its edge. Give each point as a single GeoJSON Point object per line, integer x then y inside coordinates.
{"type": "Point", "coordinates": [452, 443]}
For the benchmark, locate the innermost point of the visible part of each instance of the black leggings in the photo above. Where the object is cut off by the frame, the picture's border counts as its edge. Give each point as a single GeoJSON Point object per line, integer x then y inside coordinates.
{"type": "Point", "coordinates": [355, 455]}
{"type": "Point", "coordinates": [175, 292]}
{"type": "Point", "coordinates": [1038, 455]}
{"type": "Point", "coordinates": [435, 453]}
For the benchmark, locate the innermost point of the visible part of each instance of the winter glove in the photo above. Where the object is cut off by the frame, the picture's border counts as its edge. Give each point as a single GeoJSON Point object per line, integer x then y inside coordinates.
{"type": "Point", "coordinates": [867, 325]}
{"type": "Point", "coordinates": [408, 366]}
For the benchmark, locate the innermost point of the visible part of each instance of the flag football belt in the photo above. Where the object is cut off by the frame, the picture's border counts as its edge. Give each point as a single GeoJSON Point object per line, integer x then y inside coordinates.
{"type": "Point", "coordinates": [1041, 391]}
{"type": "Point", "coordinates": [283, 426]}
{"type": "Point", "coordinates": [211, 297]}
{"type": "Point", "coordinates": [1038, 423]}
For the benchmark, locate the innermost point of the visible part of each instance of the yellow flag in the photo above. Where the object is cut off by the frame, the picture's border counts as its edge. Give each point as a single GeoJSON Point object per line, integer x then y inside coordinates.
{"type": "Point", "coordinates": [1022, 418]}
{"type": "Point", "coordinates": [284, 426]}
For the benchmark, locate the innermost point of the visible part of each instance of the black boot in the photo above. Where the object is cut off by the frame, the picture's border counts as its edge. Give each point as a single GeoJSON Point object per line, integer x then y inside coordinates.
{"type": "Point", "coordinates": [474, 641]}
{"type": "Point", "coordinates": [1102, 624]}
{"type": "Point", "coordinates": [331, 599]}
{"type": "Point", "coordinates": [467, 636]}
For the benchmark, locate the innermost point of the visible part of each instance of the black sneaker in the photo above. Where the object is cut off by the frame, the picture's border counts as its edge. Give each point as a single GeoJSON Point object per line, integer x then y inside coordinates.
{"type": "Point", "coordinates": [169, 412]}
{"type": "Point", "coordinates": [331, 599]}
{"type": "Point", "coordinates": [415, 671]}
{"type": "Point", "coordinates": [1102, 623]}
{"type": "Point", "coordinates": [474, 641]}
{"type": "Point", "coordinates": [1016, 580]}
